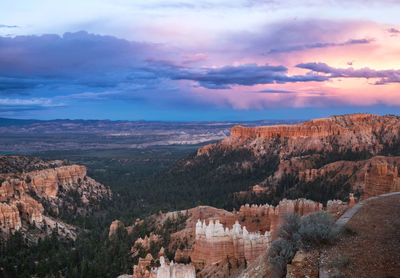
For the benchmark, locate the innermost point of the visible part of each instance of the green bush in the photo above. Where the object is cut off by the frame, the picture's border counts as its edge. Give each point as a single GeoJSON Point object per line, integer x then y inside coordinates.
{"type": "Point", "coordinates": [290, 227]}
{"type": "Point", "coordinates": [316, 229]}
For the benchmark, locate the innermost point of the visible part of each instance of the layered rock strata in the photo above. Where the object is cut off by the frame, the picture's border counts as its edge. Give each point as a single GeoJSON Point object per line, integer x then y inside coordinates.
{"type": "Point", "coordinates": [356, 132]}
{"type": "Point", "coordinates": [329, 149]}
{"type": "Point", "coordinates": [23, 194]}
{"type": "Point", "coordinates": [380, 179]}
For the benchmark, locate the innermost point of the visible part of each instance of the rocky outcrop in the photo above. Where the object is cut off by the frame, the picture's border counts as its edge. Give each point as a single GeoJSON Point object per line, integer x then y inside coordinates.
{"type": "Point", "coordinates": [214, 244]}
{"type": "Point", "coordinates": [143, 268]}
{"type": "Point", "coordinates": [325, 150]}
{"type": "Point", "coordinates": [47, 183]}
{"type": "Point", "coordinates": [175, 270]}
{"type": "Point", "coordinates": [114, 227]}
{"type": "Point", "coordinates": [30, 210]}
{"type": "Point", "coordinates": [255, 227]}
{"type": "Point", "coordinates": [145, 242]}
{"type": "Point", "coordinates": [380, 179]}
{"type": "Point", "coordinates": [24, 195]}
{"type": "Point", "coordinates": [355, 132]}
{"type": "Point", "coordinates": [10, 220]}
{"type": "Point", "coordinates": [338, 207]}
{"type": "Point", "coordinates": [269, 217]}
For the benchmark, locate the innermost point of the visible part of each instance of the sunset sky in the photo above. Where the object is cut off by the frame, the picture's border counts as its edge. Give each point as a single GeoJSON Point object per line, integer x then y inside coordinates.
{"type": "Point", "coordinates": [198, 60]}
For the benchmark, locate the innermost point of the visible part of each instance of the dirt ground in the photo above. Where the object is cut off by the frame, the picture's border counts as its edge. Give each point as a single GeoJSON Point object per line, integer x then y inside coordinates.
{"type": "Point", "coordinates": [370, 246]}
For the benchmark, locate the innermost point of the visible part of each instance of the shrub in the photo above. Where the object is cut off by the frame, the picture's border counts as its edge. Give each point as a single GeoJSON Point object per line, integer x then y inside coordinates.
{"type": "Point", "coordinates": [280, 254]}
{"type": "Point", "coordinates": [316, 229]}
{"type": "Point", "coordinates": [290, 227]}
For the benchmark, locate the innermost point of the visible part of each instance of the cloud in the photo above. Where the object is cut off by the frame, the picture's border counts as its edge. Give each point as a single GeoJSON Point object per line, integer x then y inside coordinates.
{"type": "Point", "coordinates": [384, 76]}
{"type": "Point", "coordinates": [17, 104]}
{"type": "Point", "coordinates": [194, 58]}
{"type": "Point", "coordinates": [8, 26]}
{"type": "Point", "coordinates": [15, 86]}
{"type": "Point", "coordinates": [246, 75]}
{"type": "Point", "coordinates": [393, 30]}
{"type": "Point", "coordinates": [273, 91]}
{"type": "Point", "coordinates": [319, 45]}
{"type": "Point", "coordinates": [79, 58]}
{"type": "Point", "coordinates": [299, 35]}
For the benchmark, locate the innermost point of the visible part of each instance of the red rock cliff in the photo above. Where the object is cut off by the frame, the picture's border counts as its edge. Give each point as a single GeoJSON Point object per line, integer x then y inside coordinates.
{"type": "Point", "coordinates": [21, 193]}
{"type": "Point", "coordinates": [332, 126]}
{"type": "Point", "coordinates": [355, 132]}
{"type": "Point", "coordinates": [380, 179]}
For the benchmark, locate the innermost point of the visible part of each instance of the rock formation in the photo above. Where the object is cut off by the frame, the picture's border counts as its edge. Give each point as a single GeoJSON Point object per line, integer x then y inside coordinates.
{"type": "Point", "coordinates": [114, 227]}
{"type": "Point", "coordinates": [329, 149]}
{"type": "Point", "coordinates": [143, 268]}
{"type": "Point", "coordinates": [356, 132]}
{"type": "Point", "coordinates": [10, 220]}
{"type": "Point", "coordinates": [144, 242]}
{"type": "Point", "coordinates": [214, 244]}
{"type": "Point", "coordinates": [23, 193]}
{"type": "Point", "coordinates": [268, 217]}
{"type": "Point", "coordinates": [338, 207]}
{"type": "Point", "coordinates": [175, 270]}
{"type": "Point", "coordinates": [380, 179]}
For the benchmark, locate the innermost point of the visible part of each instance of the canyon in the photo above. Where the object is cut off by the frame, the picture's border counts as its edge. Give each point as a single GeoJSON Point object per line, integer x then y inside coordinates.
{"type": "Point", "coordinates": [326, 164]}
{"type": "Point", "coordinates": [33, 191]}
{"type": "Point", "coordinates": [340, 159]}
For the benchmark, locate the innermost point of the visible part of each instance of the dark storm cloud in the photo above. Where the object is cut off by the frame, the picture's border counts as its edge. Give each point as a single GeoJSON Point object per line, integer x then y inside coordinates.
{"type": "Point", "coordinates": [79, 62]}
{"type": "Point", "coordinates": [384, 76]}
{"type": "Point", "coordinates": [247, 75]}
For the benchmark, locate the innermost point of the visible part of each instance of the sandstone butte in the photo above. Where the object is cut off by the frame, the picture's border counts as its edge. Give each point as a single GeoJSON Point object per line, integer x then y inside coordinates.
{"type": "Point", "coordinates": [21, 194]}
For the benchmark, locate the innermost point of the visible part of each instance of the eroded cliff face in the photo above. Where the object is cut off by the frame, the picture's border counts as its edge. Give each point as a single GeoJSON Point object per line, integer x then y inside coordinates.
{"type": "Point", "coordinates": [9, 218]}
{"type": "Point", "coordinates": [28, 197]}
{"type": "Point", "coordinates": [381, 178]}
{"type": "Point", "coordinates": [356, 132]}
{"type": "Point", "coordinates": [333, 153]}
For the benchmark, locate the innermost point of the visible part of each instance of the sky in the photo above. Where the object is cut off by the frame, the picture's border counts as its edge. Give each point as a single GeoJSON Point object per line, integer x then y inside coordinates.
{"type": "Point", "coordinates": [183, 60]}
